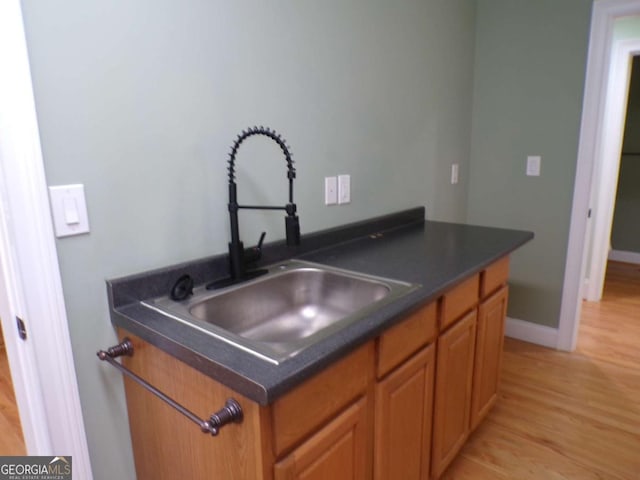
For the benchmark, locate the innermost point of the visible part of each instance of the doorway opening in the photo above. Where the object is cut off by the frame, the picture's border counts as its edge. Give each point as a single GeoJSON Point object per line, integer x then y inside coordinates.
{"type": "Point", "coordinates": [613, 153]}
{"type": "Point", "coordinates": [625, 229]}
{"type": "Point", "coordinates": [604, 107]}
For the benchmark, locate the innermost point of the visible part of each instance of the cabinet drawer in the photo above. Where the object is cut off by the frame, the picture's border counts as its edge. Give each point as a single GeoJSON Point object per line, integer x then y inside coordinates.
{"type": "Point", "coordinates": [405, 338]}
{"type": "Point", "coordinates": [494, 276]}
{"type": "Point", "coordinates": [311, 404]}
{"type": "Point", "coordinates": [459, 300]}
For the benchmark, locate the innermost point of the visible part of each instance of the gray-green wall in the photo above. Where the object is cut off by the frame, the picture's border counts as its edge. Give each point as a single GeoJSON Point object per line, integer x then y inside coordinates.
{"type": "Point", "coordinates": [625, 231]}
{"type": "Point", "coordinates": [528, 87]}
{"type": "Point", "coordinates": [140, 100]}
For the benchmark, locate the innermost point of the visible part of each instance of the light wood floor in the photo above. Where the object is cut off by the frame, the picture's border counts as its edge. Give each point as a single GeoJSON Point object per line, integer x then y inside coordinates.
{"type": "Point", "coordinates": [568, 416]}
{"type": "Point", "coordinates": [11, 442]}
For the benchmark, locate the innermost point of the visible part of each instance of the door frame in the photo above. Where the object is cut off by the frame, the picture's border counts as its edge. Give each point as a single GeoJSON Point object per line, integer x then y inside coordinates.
{"type": "Point", "coordinates": [42, 366]}
{"type": "Point", "coordinates": [607, 168]}
{"type": "Point", "coordinates": [590, 157]}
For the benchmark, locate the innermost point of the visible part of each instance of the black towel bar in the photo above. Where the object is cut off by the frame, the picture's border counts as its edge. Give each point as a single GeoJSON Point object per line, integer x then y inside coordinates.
{"type": "Point", "coordinates": [231, 412]}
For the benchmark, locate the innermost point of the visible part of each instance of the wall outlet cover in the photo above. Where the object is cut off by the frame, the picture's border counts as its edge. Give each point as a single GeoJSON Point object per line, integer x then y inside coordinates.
{"type": "Point", "coordinates": [330, 190]}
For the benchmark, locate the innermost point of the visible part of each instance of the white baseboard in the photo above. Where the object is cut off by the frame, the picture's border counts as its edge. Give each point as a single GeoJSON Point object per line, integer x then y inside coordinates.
{"type": "Point", "coordinates": [531, 332]}
{"type": "Point", "coordinates": [622, 256]}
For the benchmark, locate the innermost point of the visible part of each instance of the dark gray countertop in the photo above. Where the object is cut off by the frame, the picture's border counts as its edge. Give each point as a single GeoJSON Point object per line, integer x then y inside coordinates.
{"type": "Point", "coordinates": [402, 246]}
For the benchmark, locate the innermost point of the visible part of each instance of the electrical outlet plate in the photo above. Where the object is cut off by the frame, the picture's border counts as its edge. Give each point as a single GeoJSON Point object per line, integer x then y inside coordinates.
{"type": "Point", "coordinates": [330, 190]}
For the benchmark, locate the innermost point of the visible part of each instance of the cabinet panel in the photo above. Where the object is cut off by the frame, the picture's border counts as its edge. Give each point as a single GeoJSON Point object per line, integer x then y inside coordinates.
{"type": "Point", "coordinates": [167, 445]}
{"type": "Point", "coordinates": [454, 375]}
{"type": "Point", "coordinates": [339, 451]}
{"type": "Point", "coordinates": [404, 408]}
{"type": "Point", "coordinates": [488, 356]}
{"type": "Point", "coordinates": [312, 403]}
{"type": "Point", "coordinates": [459, 300]}
{"type": "Point", "coordinates": [494, 276]}
{"type": "Point", "coordinates": [405, 338]}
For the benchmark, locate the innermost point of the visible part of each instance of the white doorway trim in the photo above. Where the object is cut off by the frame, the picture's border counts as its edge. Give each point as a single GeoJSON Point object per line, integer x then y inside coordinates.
{"type": "Point", "coordinates": [592, 130]}
{"type": "Point", "coordinates": [30, 285]}
{"type": "Point", "coordinates": [22, 361]}
{"type": "Point", "coordinates": [607, 167]}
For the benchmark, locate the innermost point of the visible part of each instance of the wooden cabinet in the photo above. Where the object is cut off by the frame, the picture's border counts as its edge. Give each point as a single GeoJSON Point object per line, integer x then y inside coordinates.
{"type": "Point", "coordinates": [404, 407]}
{"type": "Point", "coordinates": [397, 407]}
{"type": "Point", "coordinates": [453, 384]}
{"type": "Point", "coordinates": [167, 445]}
{"type": "Point", "coordinates": [321, 429]}
{"type": "Point", "coordinates": [403, 339]}
{"type": "Point", "coordinates": [315, 402]}
{"type": "Point", "coordinates": [494, 277]}
{"type": "Point", "coordinates": [458, 301]}
{"type": "Point", "coordinates": [488, 356]}
{"type": "Point", "coordinates": [338, 451]}
{"type": "Point", "coordinates": [468, 359]}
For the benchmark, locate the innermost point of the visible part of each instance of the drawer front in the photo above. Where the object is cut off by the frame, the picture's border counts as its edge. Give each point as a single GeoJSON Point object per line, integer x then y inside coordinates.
{"type": "Point", "coordinates": [494, 276]}
{"type": "Point", "coordinates": [402, 340]}
{"type": "Point", "coordinates": [311, 404]}
{"type": "Point", "coordinates": [459, 300]}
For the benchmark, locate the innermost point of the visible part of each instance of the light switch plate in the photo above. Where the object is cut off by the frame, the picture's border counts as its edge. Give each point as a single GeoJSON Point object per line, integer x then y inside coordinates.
{"type": "Point", "coordinates": [455, 170]}
{"type": "Point", "coordinates": [533, 165]}
{"type": "Point", "coordinates": [344, 189]}
{"type": "Point", "coordinates": [69, 210]}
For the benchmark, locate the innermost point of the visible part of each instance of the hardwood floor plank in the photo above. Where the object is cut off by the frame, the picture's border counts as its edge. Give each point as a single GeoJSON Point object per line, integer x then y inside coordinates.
{"type": "Point", "coordinates": [577, 437]}
{"type": "Point", "coordinates": [514, 456]}
{"type": "Point", "coordinates": [568, 416]}
{"type": "Point", "coordinates": [473, 467]}
{"type": "Point", "coordinates": [11, 441]}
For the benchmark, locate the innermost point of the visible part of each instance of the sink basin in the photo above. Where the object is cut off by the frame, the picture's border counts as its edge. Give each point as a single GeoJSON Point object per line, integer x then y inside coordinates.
{"type": "Point", "coordinates": [290, 308]}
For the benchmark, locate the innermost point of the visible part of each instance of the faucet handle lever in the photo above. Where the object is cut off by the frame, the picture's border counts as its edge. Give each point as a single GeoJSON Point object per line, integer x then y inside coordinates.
{"type": "Point", "coordinates": [253, 254]}
{"type": "Point", "coordinates": [259, 246]}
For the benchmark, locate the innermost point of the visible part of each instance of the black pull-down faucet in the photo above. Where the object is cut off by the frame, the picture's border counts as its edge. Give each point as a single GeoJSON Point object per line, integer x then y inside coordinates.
{"type": "Point", "coordinates": [238, 255]}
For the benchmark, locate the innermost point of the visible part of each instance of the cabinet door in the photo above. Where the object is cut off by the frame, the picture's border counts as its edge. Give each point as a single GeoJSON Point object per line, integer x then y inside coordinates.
{"type": "Point", "coordinates": [404, 407]}
{"type": "Point", "coordinates": [488, 357]}
{"type": "Point", "coordinates": [454, 375]}
{"type": "Point", "coordinates": [338, 451]}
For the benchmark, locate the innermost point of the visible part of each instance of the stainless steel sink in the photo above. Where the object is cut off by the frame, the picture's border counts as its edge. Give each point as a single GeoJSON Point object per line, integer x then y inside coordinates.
{"type": "Point", "coordinates": [291, 307]}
